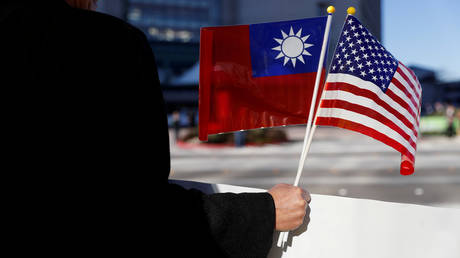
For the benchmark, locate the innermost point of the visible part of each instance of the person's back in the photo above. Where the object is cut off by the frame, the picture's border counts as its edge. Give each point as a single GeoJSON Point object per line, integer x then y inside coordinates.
{"type": "Point", "coordinates": [69, 65]}
{"type": "Point", "coordinates": [83, 122]}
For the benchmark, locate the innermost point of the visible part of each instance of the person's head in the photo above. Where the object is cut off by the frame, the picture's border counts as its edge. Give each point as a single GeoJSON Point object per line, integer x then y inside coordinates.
{"type": "Point", "coordinates": [83, 4]}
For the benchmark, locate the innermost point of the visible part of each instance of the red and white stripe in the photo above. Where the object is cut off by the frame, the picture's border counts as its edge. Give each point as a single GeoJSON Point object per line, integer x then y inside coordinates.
{"type": "Point", "coordinates": [391, 117]}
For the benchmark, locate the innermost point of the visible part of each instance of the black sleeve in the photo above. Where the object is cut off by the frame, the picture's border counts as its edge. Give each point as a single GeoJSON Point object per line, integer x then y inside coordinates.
{"type": "Point", "coordinates": [243, 224]}
{"type": "Point", "coordinates": [219, 225]}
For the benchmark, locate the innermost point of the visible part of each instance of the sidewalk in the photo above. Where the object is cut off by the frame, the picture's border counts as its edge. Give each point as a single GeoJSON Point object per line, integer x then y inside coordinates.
{"type": "Point", "coordinates": [327, 141]}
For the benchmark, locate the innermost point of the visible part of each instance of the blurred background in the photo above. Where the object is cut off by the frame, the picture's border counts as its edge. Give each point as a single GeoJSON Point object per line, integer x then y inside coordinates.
{"type": "Point", "coordinates": [421, 34]}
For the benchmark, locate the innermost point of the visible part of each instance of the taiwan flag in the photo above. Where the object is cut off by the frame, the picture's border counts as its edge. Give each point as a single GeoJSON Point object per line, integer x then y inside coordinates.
{"type": "Point", "coordinates": [258, 75]}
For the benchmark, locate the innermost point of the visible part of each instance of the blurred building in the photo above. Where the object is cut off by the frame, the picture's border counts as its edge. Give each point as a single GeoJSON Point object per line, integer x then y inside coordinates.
{"type": "Point", "coordinates": [435, 91]}
{"type": "Point", "coordinates": [173, 29]}
{"type": "Point", "coordinates": [171, 26]}
{"type": "Point", "coordinates": [173, 20]}
{"type": "Point", "coordinates": [252, 11]}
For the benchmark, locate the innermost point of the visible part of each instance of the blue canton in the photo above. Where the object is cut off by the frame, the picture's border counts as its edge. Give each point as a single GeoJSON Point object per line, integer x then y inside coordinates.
{"type": "Point", "coordinates": [360, 54]}
{"type": "Point", "coordinates": [264, 61]}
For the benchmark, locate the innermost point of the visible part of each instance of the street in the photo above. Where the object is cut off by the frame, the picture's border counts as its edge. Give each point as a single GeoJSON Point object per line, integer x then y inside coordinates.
{"type": "Point", "coordinates": [340, 162]}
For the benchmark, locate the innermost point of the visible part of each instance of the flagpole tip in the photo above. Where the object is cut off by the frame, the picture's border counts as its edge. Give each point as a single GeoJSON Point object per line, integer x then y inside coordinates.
{"type": "Point", "coordinates": [331, 9]}
{"type": "Point", "coordinates": [351, 10]}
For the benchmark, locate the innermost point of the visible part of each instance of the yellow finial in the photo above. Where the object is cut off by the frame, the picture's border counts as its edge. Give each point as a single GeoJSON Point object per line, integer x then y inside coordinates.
{"type": "Point", "coordinates": [351, 10]}
{"type": "Point", "coordinates": [331, 9]}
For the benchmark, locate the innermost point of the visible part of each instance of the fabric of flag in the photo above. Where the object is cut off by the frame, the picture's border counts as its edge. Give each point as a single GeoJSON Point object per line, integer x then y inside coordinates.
{"type": "Point", "coordinates": [368, 91]}
{"type": "Point", "coordinates": [258, 75]}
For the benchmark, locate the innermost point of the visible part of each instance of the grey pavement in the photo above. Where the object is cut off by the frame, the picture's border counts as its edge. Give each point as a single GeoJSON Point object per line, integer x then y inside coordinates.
{"type": "Point", "coordinates": [340, 162]}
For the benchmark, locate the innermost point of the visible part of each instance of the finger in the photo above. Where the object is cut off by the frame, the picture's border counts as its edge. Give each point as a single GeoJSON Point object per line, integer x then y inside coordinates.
{"type": "Point", "coordinates": [306, 196]}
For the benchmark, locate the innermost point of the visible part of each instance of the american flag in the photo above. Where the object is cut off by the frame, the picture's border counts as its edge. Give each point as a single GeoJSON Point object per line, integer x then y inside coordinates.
{"type": "Point", "coordinates": [368, 91]}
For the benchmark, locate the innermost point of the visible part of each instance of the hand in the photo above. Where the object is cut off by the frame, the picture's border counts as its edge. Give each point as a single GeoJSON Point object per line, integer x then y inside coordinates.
{"type": "Point", "coordinates": [290, 204]}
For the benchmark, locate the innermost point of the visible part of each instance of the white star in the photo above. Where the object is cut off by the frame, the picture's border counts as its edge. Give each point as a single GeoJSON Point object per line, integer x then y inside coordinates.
{"type": "Point", "coordinates": [374, 78]}
{"type": "Point", "coordinates": [357, 58]}
{"type": "Point", "coordinates": [363, 73]}
{"type": "Point", "coordinates": [348, 62]}
{"type": "Point", "coordinates": [365, 56]}
{"type": "Point", "coordinates": [371, 71]}
{"type": "Point", "coordinates": [351, 69]}
{"type": "Point", "coordinates": [360, 66]}
{"type": "Point", "coordinates": [292, 47]}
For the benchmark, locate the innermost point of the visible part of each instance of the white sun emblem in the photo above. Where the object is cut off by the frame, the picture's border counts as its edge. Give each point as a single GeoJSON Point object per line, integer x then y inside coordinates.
{"type": "Point", "coordinates": [292, 47]}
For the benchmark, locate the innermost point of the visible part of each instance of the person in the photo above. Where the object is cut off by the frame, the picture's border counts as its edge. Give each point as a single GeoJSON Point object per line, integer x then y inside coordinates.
{"type": "Point", "coordinates": [450, 115]}
{"type": "Point", "coordinates": [176, 125]}
{"type": "Point", "coordinates": [458, 121]}
{"type": "Point", "coordinates": [87, 147]}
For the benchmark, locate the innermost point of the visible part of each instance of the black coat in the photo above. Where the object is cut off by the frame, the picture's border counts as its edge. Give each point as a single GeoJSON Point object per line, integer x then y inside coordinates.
{"type": "Point", "coordinates": [87, 145]}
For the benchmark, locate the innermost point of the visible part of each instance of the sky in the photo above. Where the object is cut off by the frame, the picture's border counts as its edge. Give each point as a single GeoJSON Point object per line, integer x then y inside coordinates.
{"type": "Point", "coordinates": [425, 33]}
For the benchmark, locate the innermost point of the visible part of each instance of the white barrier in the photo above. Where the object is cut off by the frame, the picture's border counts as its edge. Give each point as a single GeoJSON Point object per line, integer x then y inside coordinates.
{"type": "Point", "coordinates": [355, 228]}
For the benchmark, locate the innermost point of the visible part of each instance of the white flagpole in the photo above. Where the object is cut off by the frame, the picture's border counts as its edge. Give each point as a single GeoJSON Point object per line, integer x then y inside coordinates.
{"type": "Point", "coordinates": [350, 11]}
{"type": "Point", "coordinates": [284, 235]}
